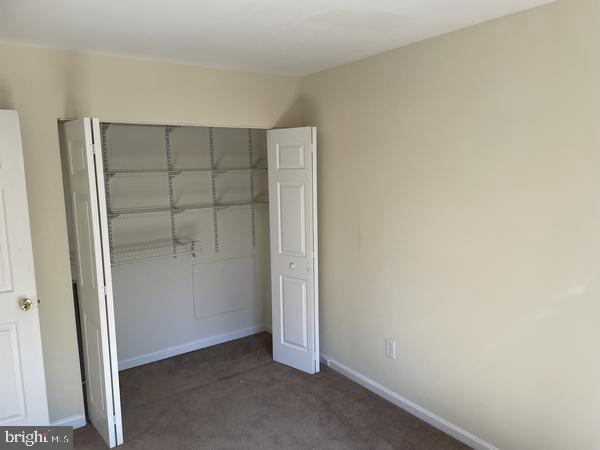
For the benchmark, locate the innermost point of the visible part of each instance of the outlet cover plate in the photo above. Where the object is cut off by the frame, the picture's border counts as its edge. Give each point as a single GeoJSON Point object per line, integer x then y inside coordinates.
{"type": "Point", "coordinates": [390, 348]}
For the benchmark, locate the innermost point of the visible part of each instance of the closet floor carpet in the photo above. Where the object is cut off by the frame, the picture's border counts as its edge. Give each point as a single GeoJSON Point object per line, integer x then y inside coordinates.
{"type": "Point", "coordinates": [233, 396]}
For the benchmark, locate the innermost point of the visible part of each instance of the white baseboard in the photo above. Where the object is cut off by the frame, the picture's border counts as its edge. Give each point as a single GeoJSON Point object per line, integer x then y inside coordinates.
{"type": "Point", "coordinates": [188, 347]}
{"type": "Point", "coordinates": [77, 421]}
{"type": "Point", "coordinates": [427, 416]}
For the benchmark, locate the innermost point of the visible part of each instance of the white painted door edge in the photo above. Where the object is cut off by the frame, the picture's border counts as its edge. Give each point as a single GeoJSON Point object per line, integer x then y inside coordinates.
{"type": "Point", "coordinates": [418, 411]}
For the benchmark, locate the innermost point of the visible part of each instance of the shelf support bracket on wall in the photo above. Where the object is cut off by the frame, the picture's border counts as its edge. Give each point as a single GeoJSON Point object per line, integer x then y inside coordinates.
{"type": "Point", "coordinates": [107, 177]}
{"type": "Point", "coordinates": [171, 175]}
{"type": "Point", "coordinates": [252, 174]}
{"type": "Point", "coordinates": [213, 187]}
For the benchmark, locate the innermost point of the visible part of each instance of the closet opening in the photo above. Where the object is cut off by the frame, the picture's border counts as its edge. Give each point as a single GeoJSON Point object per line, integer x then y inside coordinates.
{"type": "Point", "coordinates": [174, 238]}
{"type": "Point", "coordinates": [188, 228]}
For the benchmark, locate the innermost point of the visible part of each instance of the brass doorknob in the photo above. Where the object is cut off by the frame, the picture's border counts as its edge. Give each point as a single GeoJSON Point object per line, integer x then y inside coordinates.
{"type": "Point", "coordinates": [25, 304]}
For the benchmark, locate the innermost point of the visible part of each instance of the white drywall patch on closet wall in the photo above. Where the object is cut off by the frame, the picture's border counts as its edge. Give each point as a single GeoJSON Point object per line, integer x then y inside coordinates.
{"type": "Point", "coordinates": [171, 305]}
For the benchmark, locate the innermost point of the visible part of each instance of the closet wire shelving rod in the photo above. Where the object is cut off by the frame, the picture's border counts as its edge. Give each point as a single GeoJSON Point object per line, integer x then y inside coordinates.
{"type": "Point", "coordinates": [153, 258]}
{"type": "Point", "coordinates": [251, 164]}
{"type": "Point", "coordinates": [168, 131]}
{"type": "Point", "coordinates": [133, 253]}
{"type": "Point", "coordinates": [176, 172]}
{"type": "Point", "coordinates": [103, 129]}
{"type": "Point", "coordinates": [213, 186]}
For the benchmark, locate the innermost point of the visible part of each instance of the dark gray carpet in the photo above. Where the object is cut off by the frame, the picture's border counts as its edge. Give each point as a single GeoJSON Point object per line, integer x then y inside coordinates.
{"type": "Point", "coordinates": [233, 396]}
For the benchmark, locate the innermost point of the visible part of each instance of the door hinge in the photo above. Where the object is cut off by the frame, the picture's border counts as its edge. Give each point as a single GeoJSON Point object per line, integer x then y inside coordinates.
{"type": "Point", "coordinates": [93, 148]}
{"type": "Point", "coordinates": [105, 289]}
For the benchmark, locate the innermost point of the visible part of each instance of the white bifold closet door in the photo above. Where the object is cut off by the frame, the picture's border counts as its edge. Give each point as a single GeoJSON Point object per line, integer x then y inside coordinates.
{"type": "Point", "coordinates": [293, 222]}
{"type": "Point", "coordinates": [293, 219]}
{"type": "Point", "coordinates": [86, 177]}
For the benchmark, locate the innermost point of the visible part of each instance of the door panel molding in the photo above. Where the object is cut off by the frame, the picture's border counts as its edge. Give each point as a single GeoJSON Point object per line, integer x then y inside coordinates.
{"type": "Point", "coordinates": [291, 219]}
{"type": "Point", "coordinates": [6, 284]}
{"type": "Point", "coordinates": [9, 342]}
{"type": "Point", "coordinates": [293, 313]}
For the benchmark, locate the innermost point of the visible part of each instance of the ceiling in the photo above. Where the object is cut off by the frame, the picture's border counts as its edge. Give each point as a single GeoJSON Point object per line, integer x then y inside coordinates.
{"type": "Point", "coordinates": [272, 36]}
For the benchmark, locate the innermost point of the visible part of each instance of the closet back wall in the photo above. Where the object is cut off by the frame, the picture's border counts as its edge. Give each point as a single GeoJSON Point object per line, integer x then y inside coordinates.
{"type": "Point", "coordinates": [166, 306]}
{"type": "Point", "coordinates": [45, 85]}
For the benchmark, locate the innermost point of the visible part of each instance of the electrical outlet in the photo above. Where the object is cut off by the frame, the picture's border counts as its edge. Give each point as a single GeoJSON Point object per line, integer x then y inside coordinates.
{"type": "Point", "coordinates": [390, 348]}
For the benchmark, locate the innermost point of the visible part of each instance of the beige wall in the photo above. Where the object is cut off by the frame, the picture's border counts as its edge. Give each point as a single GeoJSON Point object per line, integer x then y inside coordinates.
{"type": "Point", "coordinates": [46, 85]}
{"type": "Point", "coordinates": [459, 213]}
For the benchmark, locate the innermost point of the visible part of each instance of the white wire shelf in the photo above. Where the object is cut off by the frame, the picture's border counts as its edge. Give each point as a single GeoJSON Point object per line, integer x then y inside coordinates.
{"type": "Point", "coordinates": [213, 167]}
{"type": "Point", "coordinates": [149, 250]}
{"type": "Point", "coordinates": [221, 205]}
{"type": "Point", "coordinates": [218, 170]}
{"type": "Point", "coordinates": [114, 213]}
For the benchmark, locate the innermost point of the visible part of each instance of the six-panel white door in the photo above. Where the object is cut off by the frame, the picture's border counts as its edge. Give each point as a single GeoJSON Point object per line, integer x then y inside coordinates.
{"type": "Point", "coordinates": [23, 398]}
{"type": "Point", "coordinates": [293, 223]}
{"type": "Point", "coordinates": [86, 178]}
